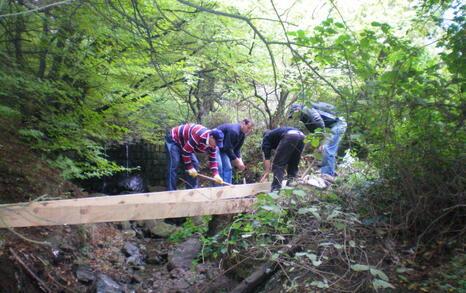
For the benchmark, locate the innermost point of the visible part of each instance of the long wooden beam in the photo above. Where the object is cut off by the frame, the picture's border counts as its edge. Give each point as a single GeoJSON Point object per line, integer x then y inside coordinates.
{"type": "Point", "coordinates": [142, 206]}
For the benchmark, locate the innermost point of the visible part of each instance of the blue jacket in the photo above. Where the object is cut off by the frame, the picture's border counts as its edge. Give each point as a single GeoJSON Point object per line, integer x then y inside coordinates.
{"type": "Point", "coordinates": [272, 139]}
{"type": "Point", "coordinates": [233, 140]}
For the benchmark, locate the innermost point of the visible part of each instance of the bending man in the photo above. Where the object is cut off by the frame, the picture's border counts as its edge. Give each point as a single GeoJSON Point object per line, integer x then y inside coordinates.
{"type": "Point", "coordinates": [230, 153]}
{"type": "Point", "coordinates": [182, 142]}
{"type": "Point", "coordinates": [314, 119]}
{"type": "Point", "coordinates": [288, 145]}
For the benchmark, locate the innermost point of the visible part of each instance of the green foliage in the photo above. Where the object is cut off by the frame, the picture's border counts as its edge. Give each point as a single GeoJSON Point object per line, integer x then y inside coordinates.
{"type": "Point", "coordinates": [190, 228]}
{"type": "Point", "coordinates": [403, 109]}
{"type": "Point", "coordinates": [281, 217]}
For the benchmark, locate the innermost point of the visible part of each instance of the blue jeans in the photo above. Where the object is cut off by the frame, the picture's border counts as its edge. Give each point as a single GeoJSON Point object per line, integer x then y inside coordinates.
{"type": "Point", "coordinates": [331, 148]}
{"type": "Point", "coordinates": [224, 167]}
{"type": "Point", "coordinates": [173, 163]}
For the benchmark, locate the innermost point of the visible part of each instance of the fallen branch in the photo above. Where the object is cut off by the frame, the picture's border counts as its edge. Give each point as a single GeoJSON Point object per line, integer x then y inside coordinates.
{"type": "Point", "coordinates": [268, 269]}
{"type": "Point", "coordinates": [41, 283]}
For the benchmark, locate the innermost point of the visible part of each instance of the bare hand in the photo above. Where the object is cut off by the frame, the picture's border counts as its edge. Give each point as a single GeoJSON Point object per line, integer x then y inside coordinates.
{"type": "Point", "coordinates": [238, 163]}
{"type": "Point", "coordinates": [264, 177]}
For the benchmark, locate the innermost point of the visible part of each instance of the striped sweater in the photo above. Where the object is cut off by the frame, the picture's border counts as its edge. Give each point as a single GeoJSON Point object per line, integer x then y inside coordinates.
{"type": "Point", "coordinates": [192, 138]}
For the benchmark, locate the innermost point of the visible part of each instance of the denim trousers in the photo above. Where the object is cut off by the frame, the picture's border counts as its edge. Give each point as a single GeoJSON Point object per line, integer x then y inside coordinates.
{"type": "Point", "coordinates": [225, 169]}
{"type": "Point", "coordinates": [331, 148]}
{"type": "Point", "coordinates": [173, 165]}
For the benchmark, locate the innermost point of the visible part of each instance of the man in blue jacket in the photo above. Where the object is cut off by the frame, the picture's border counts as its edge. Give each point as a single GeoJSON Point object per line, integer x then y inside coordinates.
{"type": "Point", "coordinates": [288, 145]}
{"type": "Point", "coordinates": [321, 116]}
{"type": "Point", "coordinates": [230, 153]}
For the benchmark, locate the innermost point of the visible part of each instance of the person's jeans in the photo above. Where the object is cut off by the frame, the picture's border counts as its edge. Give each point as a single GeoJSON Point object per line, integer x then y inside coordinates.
{"type": "Point", "coordinates": [225, 169]}
{"type": "Point", "coordinates": [173, 163]}
{"type": "Point", "coordinates": [331, 148]}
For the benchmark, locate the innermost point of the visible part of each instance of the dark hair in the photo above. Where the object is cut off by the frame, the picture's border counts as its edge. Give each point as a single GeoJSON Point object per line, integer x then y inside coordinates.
{"type": "Point", "coordinates": [247, 121]}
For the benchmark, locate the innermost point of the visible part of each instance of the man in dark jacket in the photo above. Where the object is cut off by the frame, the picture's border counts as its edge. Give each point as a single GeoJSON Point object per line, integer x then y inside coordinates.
{"type": "Point", "coordinates": [288, 145]}
{"type": "Point", "coordinates": [230, 153]}
{"type": "Point", "coordinates": [313, 118]}
{"type": "Point", "coordinates": [182, 142]}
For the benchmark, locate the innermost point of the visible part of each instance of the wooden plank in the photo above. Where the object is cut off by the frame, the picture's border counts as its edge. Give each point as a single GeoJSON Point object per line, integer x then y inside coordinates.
{"type": "Point", "coordinates": [143, 206]}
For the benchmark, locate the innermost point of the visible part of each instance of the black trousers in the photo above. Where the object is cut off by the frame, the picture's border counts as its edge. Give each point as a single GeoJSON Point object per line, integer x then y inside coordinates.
{"type": "Point", "coordinates": [288, 153]}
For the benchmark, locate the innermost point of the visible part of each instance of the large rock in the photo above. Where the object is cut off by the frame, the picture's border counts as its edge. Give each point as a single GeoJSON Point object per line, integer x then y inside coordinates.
{"type": "Point", "coordinates": [184, 254]}
{"type": "Point", "coordinates": [160, 228]}
{"type": "Point", "coordinates": [84, 274]}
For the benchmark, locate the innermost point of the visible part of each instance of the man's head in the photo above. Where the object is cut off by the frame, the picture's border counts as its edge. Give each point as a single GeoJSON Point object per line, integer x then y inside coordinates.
{"type": "Point", "coordinates": [216, 136]}
{"type": "Point", "coordinates": [246, 126]}
{"type": "Point", "coordinates": [295, 112]}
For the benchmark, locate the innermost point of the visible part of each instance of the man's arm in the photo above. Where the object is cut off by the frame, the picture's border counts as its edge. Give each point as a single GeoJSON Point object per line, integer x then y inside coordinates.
{"type": "Point", "coordinates": [267, 170]}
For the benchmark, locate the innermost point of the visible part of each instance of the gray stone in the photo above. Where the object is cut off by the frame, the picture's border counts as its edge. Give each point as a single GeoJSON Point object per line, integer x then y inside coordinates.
{"type": "Point", "coordinates": [84, 274]}
{"type": "Point", "coordinates": [184, 254]}
{"type": "Point", "coordinates": [105, 284]}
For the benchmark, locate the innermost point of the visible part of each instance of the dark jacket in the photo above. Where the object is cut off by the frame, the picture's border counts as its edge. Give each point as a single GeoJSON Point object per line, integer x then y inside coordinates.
{"type": "Point", "coordinates": [233, 140]}
{"type": "Point", "coordinates": [272, 139]}
{"type": "Point", "coordinates": [313, 119]}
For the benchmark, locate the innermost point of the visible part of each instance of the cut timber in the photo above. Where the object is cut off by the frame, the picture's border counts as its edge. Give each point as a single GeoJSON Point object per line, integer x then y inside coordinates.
{"type": "Point", "coordinates": [141, 206]}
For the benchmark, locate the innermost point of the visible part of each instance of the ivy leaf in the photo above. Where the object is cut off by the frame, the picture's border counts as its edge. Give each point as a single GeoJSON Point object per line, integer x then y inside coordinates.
{"type": "Point", "coordinates": [360, 267]}
{"type": "Point", "coordinates": [273, 209]}
{"type": "Point", "coordinates": [299, 192]}
{"type": "Point", "coordinates": [381, 284]}
{"type": "Point", "coordinates": [312, 210]}
{"type": "Point", "coordinates": [320, 284]}
{"type": "Point", "coordinates": [378, 273]}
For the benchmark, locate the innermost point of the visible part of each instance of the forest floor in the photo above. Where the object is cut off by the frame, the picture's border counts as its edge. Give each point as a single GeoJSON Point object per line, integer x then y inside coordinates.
{"type": "Point", "coordinates": [29, 265]}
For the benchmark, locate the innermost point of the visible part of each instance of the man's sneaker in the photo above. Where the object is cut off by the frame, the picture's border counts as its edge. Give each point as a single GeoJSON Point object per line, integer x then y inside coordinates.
{"type": "Point", "coordinates": [328, 178]}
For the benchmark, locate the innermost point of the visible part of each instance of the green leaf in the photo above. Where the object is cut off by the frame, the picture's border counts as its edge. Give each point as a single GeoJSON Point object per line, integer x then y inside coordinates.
{"type": "Point", "coordinates": [342, 38]}
{"type": "Point", "coordinates": [313, 210]}
{"type": "Point", "coordinates": [381, 284]}
{"type": "Point", "coordinates": [360, 267]}
{"type": "Point", "coordinates": [274, 209]}
{"type": "Point", "coordinates": [299, 192]}
{"type": "Point", "coordinates": [377, 273]}
{"type": "Point", "coordinates": [320, 284]}
{"type": "Point", "coordinates": [313, 257]}
{"type": "Point", "coordinates": [339, 25]}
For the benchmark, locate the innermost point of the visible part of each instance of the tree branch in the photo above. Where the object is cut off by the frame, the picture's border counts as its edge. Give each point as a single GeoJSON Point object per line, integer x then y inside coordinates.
{"type": "Point", "coordinates": [37, 9]}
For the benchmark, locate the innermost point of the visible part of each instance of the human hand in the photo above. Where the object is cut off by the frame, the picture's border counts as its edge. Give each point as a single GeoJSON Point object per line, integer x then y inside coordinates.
{"type": "Point", "coordinates": [241, 165]}
{"type": "Point", "coordinates": [238, 163]}
{"type": "Point", "coordinates": [320, 149]}
{"type": "Point", "coordinates": [192, 172]}
{"type": "Point", "coordinates": [265, 177]}
{"type": "Point", "coordinates": [218, 179]}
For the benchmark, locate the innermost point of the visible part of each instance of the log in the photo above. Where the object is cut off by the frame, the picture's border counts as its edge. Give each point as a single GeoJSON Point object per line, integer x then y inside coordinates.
{"type": "Point", "coordinates": [142, 206]}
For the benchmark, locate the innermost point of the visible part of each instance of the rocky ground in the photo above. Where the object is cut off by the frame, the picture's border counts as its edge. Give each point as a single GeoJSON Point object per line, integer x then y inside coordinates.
{"type": "Point", "coordinates": [110, 257]}
{"type": "Point", "coordinates": [103, 258]}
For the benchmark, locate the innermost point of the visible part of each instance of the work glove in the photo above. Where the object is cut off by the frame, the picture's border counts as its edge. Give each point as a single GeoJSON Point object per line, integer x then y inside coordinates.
{"type": "Point", "coordinates": [192, 172]}
{"type": "Point", "coordinates": [218, 179]}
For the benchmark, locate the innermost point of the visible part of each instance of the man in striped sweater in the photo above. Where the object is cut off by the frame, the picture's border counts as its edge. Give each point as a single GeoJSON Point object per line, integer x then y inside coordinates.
{"type": "Point", "coordinates": [182, 142]}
